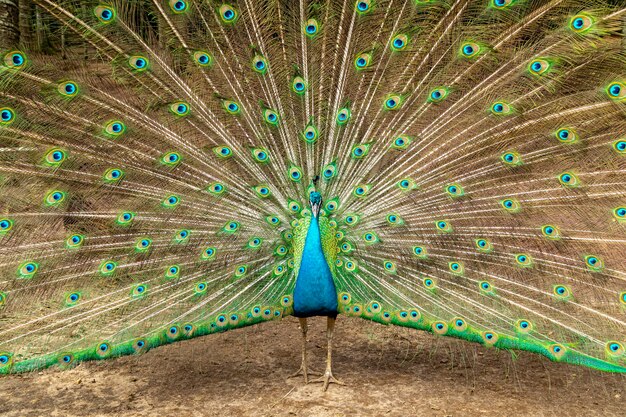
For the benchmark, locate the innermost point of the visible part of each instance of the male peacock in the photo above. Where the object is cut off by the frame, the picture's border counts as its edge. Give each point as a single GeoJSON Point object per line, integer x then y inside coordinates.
{"type": "Point", "coordinates": [455, 166]}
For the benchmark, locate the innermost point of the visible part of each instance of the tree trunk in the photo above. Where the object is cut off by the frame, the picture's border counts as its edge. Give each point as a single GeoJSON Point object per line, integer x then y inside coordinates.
{"type": "Point", "coordinates": [63, 51]}
{"type": "Point", "coordinates": [26, 26]}
{"type": "Point", "coordinates": [43, 42]}
{"type": "Point", "coordinates": [9, 24]}
{"type": "Point", "coordinates": [162, 30]}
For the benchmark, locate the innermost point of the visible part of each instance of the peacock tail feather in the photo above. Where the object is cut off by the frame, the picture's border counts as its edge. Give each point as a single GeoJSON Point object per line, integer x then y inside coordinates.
{"type": "Point", "coordinates": [471, 155]}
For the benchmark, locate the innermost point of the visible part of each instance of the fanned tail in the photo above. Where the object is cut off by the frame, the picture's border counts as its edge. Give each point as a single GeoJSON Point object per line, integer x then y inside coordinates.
{"type": "Point", "coordinates": [470, 155]}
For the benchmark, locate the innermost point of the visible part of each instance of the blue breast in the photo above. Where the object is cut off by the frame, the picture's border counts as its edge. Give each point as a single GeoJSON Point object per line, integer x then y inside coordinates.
{"type": "Point", "coordinates": [315, 293]}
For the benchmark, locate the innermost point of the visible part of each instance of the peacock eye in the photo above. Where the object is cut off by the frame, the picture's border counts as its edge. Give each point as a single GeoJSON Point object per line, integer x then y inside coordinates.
{"type": "Point", "coordinates": [393, 102]}
{"type": "Point", "coordinates": [399, 42]}
{"type": "Point", "coordinates": [363, 6]}
{"type": "Point", "coordinates": [228, 14]}
{"type": "Point", "coordinates": [581, 23]}
{"type": "Point", "coordinates": [499, 4]}
{"type": "Point", "coordinates": [470, 49]}
{"type": "Point", "coordinates": [500, 108]}
{"type": "Point", "coordinates": [105, 14]}
{"type": "Point", "coordinates": [68, 89]}
{"type": "Point", "coordinates": [311, 28]}
{"type": "Point", "coordinates": [6, 116]}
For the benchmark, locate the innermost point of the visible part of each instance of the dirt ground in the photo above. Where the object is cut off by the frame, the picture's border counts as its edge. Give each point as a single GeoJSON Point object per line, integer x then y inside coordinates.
{"type": "Point", "coordinates": [388, 371]}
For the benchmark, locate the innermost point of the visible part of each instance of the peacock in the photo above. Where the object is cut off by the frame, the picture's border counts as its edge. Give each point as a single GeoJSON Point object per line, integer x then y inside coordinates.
{"type": "Point", "coordinates": [453, 166]}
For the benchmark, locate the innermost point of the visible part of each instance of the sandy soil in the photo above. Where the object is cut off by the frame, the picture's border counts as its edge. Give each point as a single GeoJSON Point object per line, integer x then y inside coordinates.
{"type": "Point", "coordinates": [388, 371]}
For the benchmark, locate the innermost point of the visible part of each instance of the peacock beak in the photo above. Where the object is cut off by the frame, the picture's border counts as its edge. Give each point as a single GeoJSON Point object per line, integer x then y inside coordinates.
{"type": "Point", "coordinates": [315, 208]}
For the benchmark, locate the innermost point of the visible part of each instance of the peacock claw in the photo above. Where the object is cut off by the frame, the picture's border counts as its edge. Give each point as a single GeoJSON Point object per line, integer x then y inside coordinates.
{"type": "Point", "coordinates": [305, 372]}
{"type": "Point", "coordinates": [328, 379]}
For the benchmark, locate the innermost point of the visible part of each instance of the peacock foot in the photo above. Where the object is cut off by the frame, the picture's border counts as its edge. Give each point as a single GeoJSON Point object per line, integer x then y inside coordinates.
{"type": "Point", "coordinates": [328, 379]}
{"type": "Point", "coordinates": [305, 371]}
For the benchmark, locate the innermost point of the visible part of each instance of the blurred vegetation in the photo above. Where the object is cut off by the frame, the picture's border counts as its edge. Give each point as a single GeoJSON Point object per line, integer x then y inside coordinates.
{"type": "Point", "coordinates": [27, 26]}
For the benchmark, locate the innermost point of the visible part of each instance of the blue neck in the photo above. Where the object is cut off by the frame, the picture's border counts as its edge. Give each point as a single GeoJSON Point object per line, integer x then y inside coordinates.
{"type": "Point", "coordinates": [315, 293]}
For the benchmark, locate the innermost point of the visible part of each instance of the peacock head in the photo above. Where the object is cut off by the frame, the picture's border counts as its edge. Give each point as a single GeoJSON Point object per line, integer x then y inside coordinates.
{"type": "Point", "coordinates": [315, 199]}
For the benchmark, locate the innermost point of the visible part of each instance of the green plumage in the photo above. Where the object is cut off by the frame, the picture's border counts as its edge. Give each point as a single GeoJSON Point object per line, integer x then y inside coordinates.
{"type": "Point", "coordinates": [470, 155]}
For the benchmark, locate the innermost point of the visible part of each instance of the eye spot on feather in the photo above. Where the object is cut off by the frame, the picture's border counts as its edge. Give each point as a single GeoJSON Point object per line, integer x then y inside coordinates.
{"type": "Point", "coordinates": [171, 201]}
{"type": "Point", "coordinates": [581, 23]}
{"type": "Point", "coordinates": [173, 332]}
{"type": "Point", "coordinates": [178, 6]}
{"type": "Point", "coordinates": [363, 6]}
{"type": "Point", "coordinates": [524, 260]}
{"type": "Point", "coordinates": [343, 116]}
{"type": "Point", "coordinates": [138, 63]}
{"type": "Point", "coordinates": [361, 190]}
{"type": "Point", "coordinates": [5, 225]}
{"type": "Point", "coordinates": [523, 326]}
{"type": "Point", "coordinates": [15, 60]}
{"type": "Point", "coordinates": [539, 66]}
{"type": "Point", "coordinates": [483, 245]}
{"type": "Point", "coordinates": [66, 359]}
{"type": "Point", "coordinates": [614, 349]}
{"type": "Point", "coordinates": [551, 232]}
{"type": "Point", "coordinates": [399, 42]}
{"type": "Point", "coordinates": [594, 263]}
{"type": "Point", "coordinates": [103, 349]}
{"type": "Point", "coordinates": [566, 135]}
{"type": "Point", "coordinates": [68, 89]}
{"type": "Point", "coordinates": [454, 190]}
{"type": "Point", "coordinates": [228, 14]}
{"type": "Point", "coordinates": [470, 50]}
{"type": "Point", "coordinates": [7, 116]}
{"type": "Point", "coordinates": [438, 94]}
{"type": "Point", "coordinates": [557, 351]}
{"type": "Point", "coordinates": [200, 288]}
{"type": "Point", "coordinates": [501, 4]}
{"type": "Point", "coordinates": [456, 268]}
{"type": "Point", "coordinates": [562, 293]}
{"type": "Point", "coordinates": [298, 85]}
{"type": "Point", "coordinates": [180, 108]}
{"type": "Point", "coordinates": [443, 226]}
{"type": "Point", "coordinates": [511, 159]}
{"type": "Point", "coordinates": [620, 146]}
{"type": "Point", "coordinates": [202, 58]}
{"type": "Point", "coordinates": [500, 108]}
{"type": "Point", "coordinates": [401, 142]}
{"type": "Point", "coordinates": [72, 299]}
{"type": "Point", "coordinates": [460, 325]}
{"type": "Point", "coordinates": [311, 28]}
{"type": "Point", "coordinates": [569, 180]}
{"type": "Point", "coordinates": [270, 117]}
{"type": "Point", "coordinates": [5, 359]}
{"type": "Point", "coordinates": [486, 288]}
{"type": "Point", "coordinates": [105, 14]}
{"type": "Point", "coordinates": [439, 327]}
{"type": "Point", "coordinates": [139, 345]}
{"type": "Point", "coordinates": [511, 205]}
{"type": "Point", "coordinates": [362, 61]}
{"type": "Point", "coordinates": [489, 338]}
{"type": "Point", "coordinates": [392, 102]}
{"type": "Point", "coordinates": [360, 151]}
{"type": "Point", "coordinates": [618, 212]}
{"type": "Point", "coordinates": [394, 219]}
{"type": "Point", "coordinates": [616, 91]}
{"type": "Point", "coordinates": [429, 283]}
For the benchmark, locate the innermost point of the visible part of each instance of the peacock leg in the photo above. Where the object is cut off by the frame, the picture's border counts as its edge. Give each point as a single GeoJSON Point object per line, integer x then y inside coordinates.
{"type": "Point", "coordinates": [328, 377]}
{"type": "Point", "coordinates": [304, 370]}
